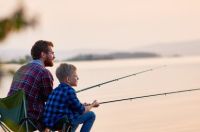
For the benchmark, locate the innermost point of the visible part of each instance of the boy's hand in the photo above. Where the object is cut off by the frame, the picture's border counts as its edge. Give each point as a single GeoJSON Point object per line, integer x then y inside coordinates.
{"type": "Point", "coordinates": [95, 103]}
{"type": "Point", "coordinates": [86, 104]}
{"type": "Point", "coordinates": [89, 107]}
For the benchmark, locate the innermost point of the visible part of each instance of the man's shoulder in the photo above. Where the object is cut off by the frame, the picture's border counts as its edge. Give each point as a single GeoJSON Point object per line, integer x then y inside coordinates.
{"type": "Point", "coordinates": [33, 66]}
{"type": "Point", "coordinates": [34, 69]}
{"type": "Point", "coordinates": [37, 67]}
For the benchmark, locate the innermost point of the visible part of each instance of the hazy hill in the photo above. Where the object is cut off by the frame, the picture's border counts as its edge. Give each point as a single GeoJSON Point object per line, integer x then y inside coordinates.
{"type": "Point", "coordinates": [177, 48]}
{"type": "Point", "coordinates": [117, 55]}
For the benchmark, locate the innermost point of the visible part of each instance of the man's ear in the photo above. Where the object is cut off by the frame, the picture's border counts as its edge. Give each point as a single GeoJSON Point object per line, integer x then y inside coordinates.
{"type": "Point", "coordinates": [43, 55]}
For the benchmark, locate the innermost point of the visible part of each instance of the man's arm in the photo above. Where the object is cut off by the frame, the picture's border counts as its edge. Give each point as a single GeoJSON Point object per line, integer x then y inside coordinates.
{"type": "Point", "coordinates": [47, 84]}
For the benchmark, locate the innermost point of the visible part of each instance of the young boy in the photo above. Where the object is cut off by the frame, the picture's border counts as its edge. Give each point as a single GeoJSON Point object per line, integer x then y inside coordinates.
{"type": "Point", "coordinates": [63, 102]}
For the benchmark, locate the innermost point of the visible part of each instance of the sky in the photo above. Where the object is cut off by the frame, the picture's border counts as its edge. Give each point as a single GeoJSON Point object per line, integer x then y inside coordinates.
{"type": "Point", "coordinates": [113, 25]}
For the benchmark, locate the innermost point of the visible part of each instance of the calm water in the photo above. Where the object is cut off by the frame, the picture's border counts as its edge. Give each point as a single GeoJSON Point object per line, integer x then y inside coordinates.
{"type": "Point", "coordinates": [171, 113]}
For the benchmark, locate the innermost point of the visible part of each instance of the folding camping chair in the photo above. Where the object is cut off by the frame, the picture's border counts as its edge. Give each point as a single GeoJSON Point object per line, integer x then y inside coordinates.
{"type": "Point", "coordinates": [13, 114]}
{"type": "Point", "coordinates": [63, 125]}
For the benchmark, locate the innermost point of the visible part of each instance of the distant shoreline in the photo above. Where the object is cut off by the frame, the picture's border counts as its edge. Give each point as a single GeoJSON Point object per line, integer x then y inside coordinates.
{"type": "Point", "coordinates": [112, 56]}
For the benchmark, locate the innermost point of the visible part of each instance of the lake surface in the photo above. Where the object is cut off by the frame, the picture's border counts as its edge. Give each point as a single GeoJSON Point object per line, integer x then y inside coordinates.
{"type": "Point", "coordinates": [171, 113]}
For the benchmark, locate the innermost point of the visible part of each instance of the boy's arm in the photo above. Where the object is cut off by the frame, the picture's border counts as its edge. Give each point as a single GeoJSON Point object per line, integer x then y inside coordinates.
{"type": "Point", "coordinates": [74, 102]}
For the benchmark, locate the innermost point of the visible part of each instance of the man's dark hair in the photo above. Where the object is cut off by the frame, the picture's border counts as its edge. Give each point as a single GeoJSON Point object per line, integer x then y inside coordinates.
{"type": "Point", "coordinates": [39, 47]}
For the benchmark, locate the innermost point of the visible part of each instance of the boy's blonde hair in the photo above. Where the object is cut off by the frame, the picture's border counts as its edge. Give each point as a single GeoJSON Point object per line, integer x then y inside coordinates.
{"type": "Point", "coordinates": [64, 70]}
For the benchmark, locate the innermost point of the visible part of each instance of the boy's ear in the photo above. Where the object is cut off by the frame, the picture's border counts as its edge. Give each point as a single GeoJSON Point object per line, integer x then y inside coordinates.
{"type": "Point", "coordinates": [67, 78]}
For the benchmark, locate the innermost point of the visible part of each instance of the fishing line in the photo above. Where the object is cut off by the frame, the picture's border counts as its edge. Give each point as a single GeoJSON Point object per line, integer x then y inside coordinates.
{"type": "Point", "coordinates": [117, 79]}
{"type": "Point", "coordinates": [150, 95]}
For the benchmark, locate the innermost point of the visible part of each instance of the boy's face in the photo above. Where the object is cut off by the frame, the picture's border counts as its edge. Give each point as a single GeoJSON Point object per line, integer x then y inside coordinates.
{"type": "Point", "coordinates": [73, 79]}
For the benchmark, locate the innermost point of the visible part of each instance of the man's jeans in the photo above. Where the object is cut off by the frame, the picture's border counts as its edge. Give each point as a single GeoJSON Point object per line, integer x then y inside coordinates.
{"type": "Point", "coordinates": [87, 119]}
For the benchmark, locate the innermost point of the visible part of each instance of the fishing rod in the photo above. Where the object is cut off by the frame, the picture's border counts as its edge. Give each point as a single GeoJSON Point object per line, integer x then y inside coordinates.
{"type": "Point", "coordinates": [117, 79]}
{"type": "Point", "coordinates": [151, 95]}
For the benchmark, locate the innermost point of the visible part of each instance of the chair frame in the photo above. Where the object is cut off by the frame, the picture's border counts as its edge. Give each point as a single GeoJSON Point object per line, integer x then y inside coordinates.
{"type": "Point", "coordinates": [65, 128]}
{"type": "Point", "coordinates": [4, 127]}
{"type": "Point", "coordinates": [23, 121]}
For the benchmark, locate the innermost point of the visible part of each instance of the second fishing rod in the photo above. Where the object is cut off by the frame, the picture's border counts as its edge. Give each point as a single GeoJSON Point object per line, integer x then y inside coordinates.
{"type": "Point", "coordinates": [117, 79]}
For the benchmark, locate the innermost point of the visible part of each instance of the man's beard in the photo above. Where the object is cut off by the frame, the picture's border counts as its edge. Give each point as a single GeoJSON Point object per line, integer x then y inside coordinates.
{"type": "Point", "coordinates": [48, 63]}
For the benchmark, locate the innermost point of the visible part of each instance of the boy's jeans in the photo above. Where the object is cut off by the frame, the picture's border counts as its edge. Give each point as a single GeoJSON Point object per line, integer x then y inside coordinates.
{"type": "Point", "coordinates": [87, 119]}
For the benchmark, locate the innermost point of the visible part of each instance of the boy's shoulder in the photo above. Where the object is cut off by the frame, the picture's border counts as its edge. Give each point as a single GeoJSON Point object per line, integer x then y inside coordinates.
{"type": "Point", "coordinates": [64, 88]}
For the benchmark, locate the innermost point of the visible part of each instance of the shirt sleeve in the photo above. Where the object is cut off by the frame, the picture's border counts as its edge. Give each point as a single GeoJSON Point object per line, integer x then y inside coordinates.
{"type": "Point", "coordinates": [47, 84]}
{"type": "Point", "coordinates": [75, 103]}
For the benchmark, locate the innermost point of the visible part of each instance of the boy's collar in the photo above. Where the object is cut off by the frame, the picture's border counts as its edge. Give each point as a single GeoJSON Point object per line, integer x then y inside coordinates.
{"type": "Point", "coordinates": [63, 83]}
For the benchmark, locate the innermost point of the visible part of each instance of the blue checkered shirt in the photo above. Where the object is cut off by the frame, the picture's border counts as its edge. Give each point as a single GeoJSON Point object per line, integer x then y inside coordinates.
{"type": "Point", "coordinates": [62, 102]}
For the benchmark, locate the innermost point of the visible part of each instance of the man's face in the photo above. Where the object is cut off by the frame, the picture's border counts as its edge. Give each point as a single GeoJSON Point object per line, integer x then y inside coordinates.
{"type": "Point", "coordinates": [49, 58]}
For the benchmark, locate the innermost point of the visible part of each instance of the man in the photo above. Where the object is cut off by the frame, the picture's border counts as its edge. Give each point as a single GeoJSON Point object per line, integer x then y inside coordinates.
{"type": "Point", "coordinates": [35, 80]}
